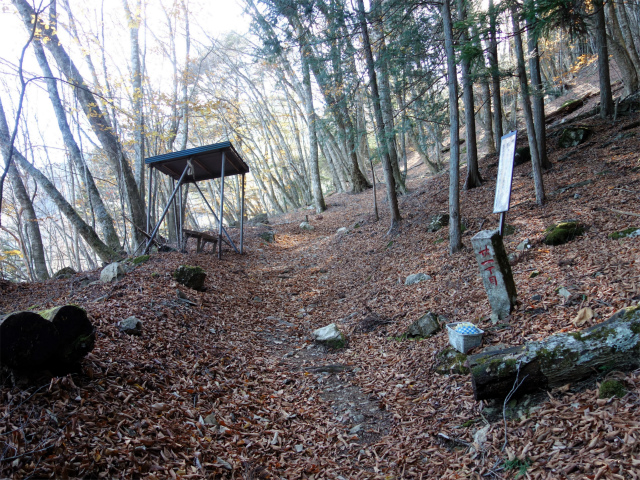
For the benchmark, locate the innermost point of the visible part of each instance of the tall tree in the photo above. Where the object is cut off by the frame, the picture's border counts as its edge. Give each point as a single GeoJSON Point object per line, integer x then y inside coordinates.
{"type": "Point", "coordinates": [536, 86]}
{"type": "Point", "coordinates": [455, 236]}
{"type": "Point", "coordinates": [600, 33]}
{"type": "Point", "coordinates": [105, 253]}
{"type": "Point", "coordinates": [526, 106]}
{"type": "Point", "coordinates": [102, 214]}
{"type": "Point", "coordinates": [30, 220]}
{"type": "Point", "coordinates": [495, 74]}
{"type": "Point", "coordinates": [103, 131]}
{"type": "Point", "coordinates": [473, 173]}
{"type": "Point", "coordinates": [316, 185]}
{"type": "Point", "coordinates": [380, 126]}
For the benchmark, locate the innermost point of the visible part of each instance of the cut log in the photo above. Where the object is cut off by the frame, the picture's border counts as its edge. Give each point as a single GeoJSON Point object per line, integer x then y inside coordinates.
{"type": "Point", "coordinates": [27, 341]}
{"type": "Point", "coordinates": [77, 336]}
{"type": "Point", "coordinates": [560, 359]}
{"type": "Point", "coordinates": [54, 339]}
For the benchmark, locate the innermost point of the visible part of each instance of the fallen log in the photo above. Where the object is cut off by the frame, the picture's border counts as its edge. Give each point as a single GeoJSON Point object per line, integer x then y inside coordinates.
{"type": "Point", "coordinates": [77, 336]}
{"type": "Point", "coordinates": [558, 360]}
{"type": "Point", "coordinates": [27, 341]}
{"type": "Point", "coordinates": [53, 339]}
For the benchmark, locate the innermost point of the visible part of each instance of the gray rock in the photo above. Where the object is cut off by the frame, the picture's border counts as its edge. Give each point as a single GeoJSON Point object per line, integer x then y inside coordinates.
{"type": "Point", "coordinates": [223, 463]}
{"type": "Point", "coordinates": [571, 137]}
{"type": "Point", "coordinates": [268, 236]}
{"type": "Point", "coordinates": [190, 276]}
{"type": "Point", "coordinates": [306, 226]}
{"type": "Point", "coordinates": [342, 231]}
{"type": "Point", "coordinates": [299, 448]}
{"type": "Point", "coordinates": [416, 278]}
{"type": "Point", "coordinates": [65, 272]}
{"type": "Point", "coordinates": [438, 221]}
{"type": "Point", "coordinates": [329, 336]}
{"type": "Point", "coordinates": [260, 218]}
{"type": "Point", "coordinates": [112, 272]}
{"type": "Point", "coordinates": [425, 326]}
{"type": "Point", "coordinates": [131, 326]}
{"type": "Point", "coordinates": [211, 420]}
{"type": "Point", "coordinates": [496, 272]}
{"type": "Point", "coordinates": [524, 245]}
{"type": "Point", "coordinates": [355, 430]}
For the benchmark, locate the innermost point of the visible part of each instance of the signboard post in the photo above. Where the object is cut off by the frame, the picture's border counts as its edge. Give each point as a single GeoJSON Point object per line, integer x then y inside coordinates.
{"type": "Point", "coordinates": [488, 246]}
{"type": "Point", "coordinates": [505, 176]}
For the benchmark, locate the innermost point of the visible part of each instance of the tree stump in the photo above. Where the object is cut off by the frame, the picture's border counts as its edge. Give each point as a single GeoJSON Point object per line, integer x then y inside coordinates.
{"type": "Point", "coordinates": [53, 339]}
{"type": "Point", "coordinates": [560, 359]}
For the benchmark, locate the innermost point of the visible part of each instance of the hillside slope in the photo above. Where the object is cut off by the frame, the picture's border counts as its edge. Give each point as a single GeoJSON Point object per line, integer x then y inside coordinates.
{"type": "Point", "coordinates": [230, 385]}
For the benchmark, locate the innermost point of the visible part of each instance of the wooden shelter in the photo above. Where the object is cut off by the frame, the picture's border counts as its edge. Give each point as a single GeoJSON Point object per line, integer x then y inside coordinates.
{"type": "Point", "coordinates": [219, 160]}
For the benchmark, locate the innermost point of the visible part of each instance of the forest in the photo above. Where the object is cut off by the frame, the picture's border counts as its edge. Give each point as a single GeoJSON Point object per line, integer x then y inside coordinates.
{"type": "Point", "coordinates": [372, 131]}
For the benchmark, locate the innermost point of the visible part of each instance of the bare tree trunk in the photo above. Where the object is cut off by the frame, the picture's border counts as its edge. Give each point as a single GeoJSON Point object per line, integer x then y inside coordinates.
{"type": "Point", "coordinates": [620, 53]}
{"type": "Point", "coordinates": [102, 214]}
{"type": "Point", "coordinates": [526, 106]}
{"type": "Point", "coordinates": [473, 173]}
{"type": "Point", "coordinates": [102, 130]}
{"type": "Point", "coordinates": [495, 76]}
{"type": "Point", "coordinates": [455, 236]}
{"type": "Point", "coordinates": [104, 252]}
{"type": "Point", "coordinates": [606, 97]}
{"type": "Point", "coordinates": [385, 99]}
{"type": "Point", "coordinates": [137, 94]}
{"type": "Point", "coordinates": [373, 85]}
{"type": "Point", "coordinates": [31, 222]}
{"type": "Point", "coordinates": [537, 96]}
{"type": "Point", "coordinates": [318, 198]}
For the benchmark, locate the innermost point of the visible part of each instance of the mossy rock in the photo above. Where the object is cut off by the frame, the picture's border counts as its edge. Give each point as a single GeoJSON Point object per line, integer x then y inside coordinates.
{"type": "Point", "coordinates": [571, 137]}
{"type": "Point", "coordinates": [268, 236]}
{"type": "Point", "coordinates": [65, 272]}
{"type": "Point", "coordinates": [627, 232]}
{"type": "Point", "coordinates": [563, 232]}
{"type": "Point", "coordinates": [438, 221]}
{"type": "Point", "coordinates": [508, 230]}
{"type": "Point", "coordinates": [612, 388]}
{"type": "Point", "coordinates": [570, 106]}
{"type": "Point", "coordinates": [450, 361]}
{"type": "Point", "coordinates": [190, 276]}
{"type": "Point", "coordinates": [140, 260]}
{"type": "Point", "coordinates": [522, 156]}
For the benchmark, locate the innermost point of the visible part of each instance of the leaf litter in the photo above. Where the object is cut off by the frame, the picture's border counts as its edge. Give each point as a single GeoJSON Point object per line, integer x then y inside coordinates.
{"type": "Point", "coordinates": [229, 384]}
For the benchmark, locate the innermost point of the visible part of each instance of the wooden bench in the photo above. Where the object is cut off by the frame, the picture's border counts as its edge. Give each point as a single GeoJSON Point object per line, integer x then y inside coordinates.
{"type": "Point", "coordinates": [202, 239]}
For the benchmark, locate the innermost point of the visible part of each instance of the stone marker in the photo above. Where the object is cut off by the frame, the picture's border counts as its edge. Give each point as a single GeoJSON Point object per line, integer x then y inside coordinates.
{"type": "Point", "coordinates": [496, 272]}
{"type": "Point", "coordinates": [112, 272]}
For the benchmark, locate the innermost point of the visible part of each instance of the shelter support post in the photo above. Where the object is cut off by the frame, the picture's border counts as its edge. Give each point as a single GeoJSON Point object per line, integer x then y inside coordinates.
{"type": "Point", "coordinates": [221, 206]}
{"type": "Point", "coordinates": [149, 200]}
{"type": "Point", "coordinates": [179, 219]}
{"type": "Point", "coordinates": [215, 216]}
{"type": "Point", "coordinates": [166, 209]}
{"type": "Point", "coordinates": [242, 218]}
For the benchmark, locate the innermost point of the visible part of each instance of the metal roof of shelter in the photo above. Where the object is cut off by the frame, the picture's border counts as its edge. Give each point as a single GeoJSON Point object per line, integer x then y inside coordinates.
{"type": "Point", "coordinates": [206, 162]}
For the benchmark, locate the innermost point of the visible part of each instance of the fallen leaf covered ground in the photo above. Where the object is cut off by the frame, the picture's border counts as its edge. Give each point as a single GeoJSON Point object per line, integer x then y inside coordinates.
{"type": "Point", "coordinates": [227, 383]}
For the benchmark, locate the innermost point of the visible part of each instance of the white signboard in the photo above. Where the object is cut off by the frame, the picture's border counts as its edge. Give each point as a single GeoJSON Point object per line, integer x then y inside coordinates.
{"type": "Point", "coordinates": [505, 173]}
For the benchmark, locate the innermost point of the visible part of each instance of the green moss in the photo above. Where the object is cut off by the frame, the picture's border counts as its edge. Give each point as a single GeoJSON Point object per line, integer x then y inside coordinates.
{"type": "Point", "coordinates": [451, 361]}
{"type": "Point", "coordinates": [470, 422]}
{"type": "Point", "coordinates": [440, 240]}
{"type": "Point", "coordinates": [139, 260]}
{"type": "Point", "coordinates": [612, 388]}
{"type": "Point", "coordinates": [571, 103]}
{"type": "Point", "coordinates": [562, 233]}
{"type": "Point", "coordinates": [336, 344]}
{"type": "Point", "coordinates": [623, 233]}
{"type": "Point", "coordinates": [520, 465]}
{"type": "Point", "coordinates": [155, 275]}
{"type": "Point", "coordinates": [508, 230]}
{"type": "Point", "coordinates": [390, 244]}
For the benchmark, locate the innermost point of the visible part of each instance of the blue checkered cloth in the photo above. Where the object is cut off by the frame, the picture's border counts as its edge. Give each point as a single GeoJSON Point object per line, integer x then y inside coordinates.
{"type": "Point", "coordinates": [466, 328]}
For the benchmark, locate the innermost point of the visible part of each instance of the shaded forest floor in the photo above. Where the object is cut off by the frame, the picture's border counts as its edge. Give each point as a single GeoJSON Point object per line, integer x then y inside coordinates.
{"type": "Point", "coordinates": [230, 384]}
